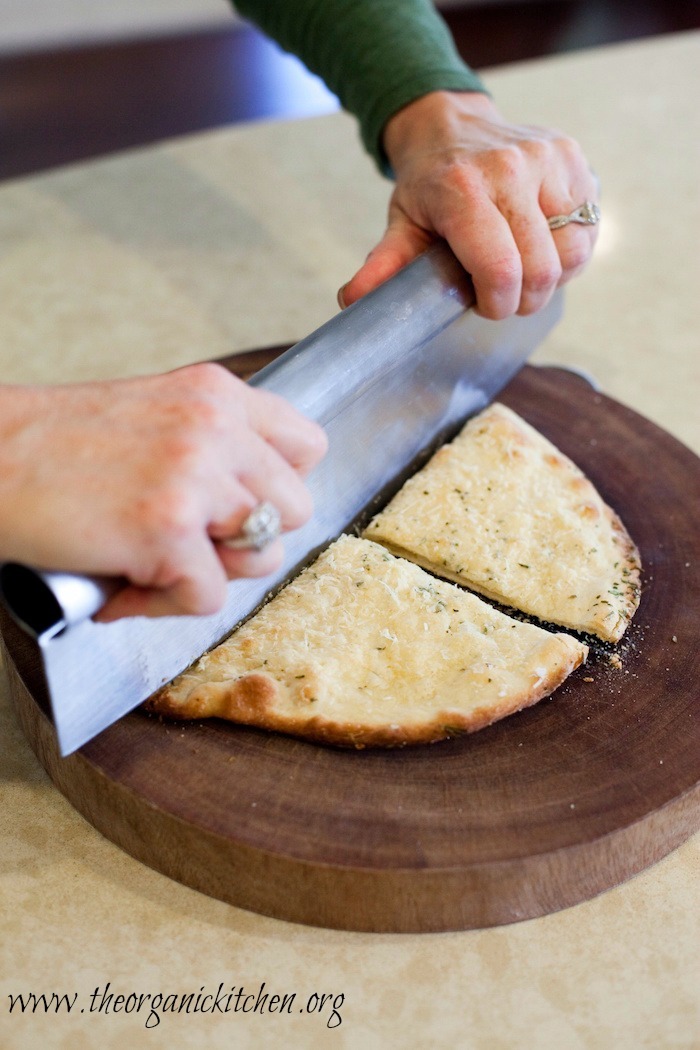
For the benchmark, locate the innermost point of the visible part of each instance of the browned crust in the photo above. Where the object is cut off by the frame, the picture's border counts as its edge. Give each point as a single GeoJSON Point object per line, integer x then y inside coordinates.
{"type": "Point", "coordinates": [250, 700]}
{"type": "Point", "coordinates": [245, 699]}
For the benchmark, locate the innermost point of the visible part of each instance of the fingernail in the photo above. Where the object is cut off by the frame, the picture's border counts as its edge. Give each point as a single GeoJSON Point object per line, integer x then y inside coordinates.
{"type": "Point", "coordinates": [341, 296]}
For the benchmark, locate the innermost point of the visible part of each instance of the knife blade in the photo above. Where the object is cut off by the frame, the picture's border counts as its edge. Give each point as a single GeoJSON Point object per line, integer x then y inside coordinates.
{"type": "Point", "coordinates": [389, 379]}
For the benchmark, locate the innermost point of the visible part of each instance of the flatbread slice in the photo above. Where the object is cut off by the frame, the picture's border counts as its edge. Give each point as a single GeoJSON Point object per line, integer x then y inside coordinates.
{"type": "Point", "coordinates": [502, 511]}
{"type": "Point", "coordinates": [363, 648]}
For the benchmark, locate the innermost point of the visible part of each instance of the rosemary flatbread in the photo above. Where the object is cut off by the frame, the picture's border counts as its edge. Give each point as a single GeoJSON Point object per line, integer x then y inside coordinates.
{"type": "Point", "coordinates": [503, 512]}
{"type": "Point", "coordinates": [364, 648]}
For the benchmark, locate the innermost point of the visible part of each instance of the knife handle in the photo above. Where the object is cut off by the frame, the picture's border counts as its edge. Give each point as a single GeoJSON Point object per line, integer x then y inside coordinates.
{"type": "Point", "coordinates": [45, 603]}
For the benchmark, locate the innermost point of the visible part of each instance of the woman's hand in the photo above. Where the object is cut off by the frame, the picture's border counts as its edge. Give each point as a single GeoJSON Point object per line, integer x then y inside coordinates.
{"type": "Point", "coordinates": [463, 173]}
{"type": "Point", "coordinates": [144, 478]}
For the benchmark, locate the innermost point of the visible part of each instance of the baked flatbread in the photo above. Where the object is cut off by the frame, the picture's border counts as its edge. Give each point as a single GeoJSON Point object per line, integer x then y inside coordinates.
{"type": "Point", "coordinates": [502, 511]}
{"type": "Point", "coordinates": [363, 648]}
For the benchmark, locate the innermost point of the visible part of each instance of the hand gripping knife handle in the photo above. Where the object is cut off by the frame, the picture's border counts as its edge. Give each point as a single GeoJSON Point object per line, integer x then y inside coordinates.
{"type": "Point", "coordinates": [394, 375]}
{"type": "Point", "coordinates": [46, 603]}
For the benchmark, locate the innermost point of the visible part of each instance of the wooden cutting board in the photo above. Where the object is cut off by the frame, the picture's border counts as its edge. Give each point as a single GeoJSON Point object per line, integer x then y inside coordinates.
{"type": "Point", "coordinates": [536, 813]}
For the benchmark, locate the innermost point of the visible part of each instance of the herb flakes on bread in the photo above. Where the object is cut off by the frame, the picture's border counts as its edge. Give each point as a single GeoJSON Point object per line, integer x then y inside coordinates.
{"type": "Point", "coordinates": [502, 511]}
{"type": "Point", "coordinates": [365, 649]}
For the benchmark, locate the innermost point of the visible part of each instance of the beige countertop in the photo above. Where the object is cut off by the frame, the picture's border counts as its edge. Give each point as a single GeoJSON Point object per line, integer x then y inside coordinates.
{"type": "Point", "coordinates": [237, 239]}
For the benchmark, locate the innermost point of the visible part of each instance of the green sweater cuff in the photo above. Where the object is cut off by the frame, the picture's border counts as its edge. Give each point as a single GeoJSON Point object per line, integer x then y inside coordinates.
{"type": "Point", "coordinates": [375, 55]}
{"type": "Point", "coordinates": [374, 120]}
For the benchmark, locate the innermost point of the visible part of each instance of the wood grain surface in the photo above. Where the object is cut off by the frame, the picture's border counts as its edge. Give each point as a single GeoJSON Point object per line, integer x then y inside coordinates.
{"type": "Point", "coordinates": [539, 812]}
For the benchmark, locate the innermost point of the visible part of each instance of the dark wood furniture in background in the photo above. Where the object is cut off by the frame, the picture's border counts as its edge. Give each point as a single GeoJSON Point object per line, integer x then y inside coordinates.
{"type": "Point", "coordinates": [68, 104]}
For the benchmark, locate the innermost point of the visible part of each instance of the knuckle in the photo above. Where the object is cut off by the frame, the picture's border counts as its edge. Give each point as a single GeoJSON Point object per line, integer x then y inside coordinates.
{"type": "Point", "coordinates": [509, 161]}
{"type": "Point", "coordinates": [569, 148]}
{"type": "Point", "coordinates": [199, 413]}
{"type": "Point", "coordinates": [202, 420]}
{"type": "Point", "coordinates": [504, 275]}
{"type": "Point", "coordinates": [167, 517]}
{"type": "Point", "coordinates": [543, 150]}
{"type": "Point", "coordinates": [199, 602]}
{"type": "Point", "coordinates": [275, 404]}
{"type": "Point", "coordinates": [458, 174]}
{"type": "Point", "coordinates": [493, 307]}
{"type": "Point", "coordinates": [542, 278]}
{"type": "Point", "coordinates": [194, 596]}
{"type": "Point", "coordinates": [575, 257]}
{"type": "Point", "coordinates": [528, 306]}
{"type": "Point", "coordinates": [539, 144]}
{"type": "Point", "coordinates": [460, 180]}
{"type": "Point", "coordinates": [206, 376]}
{"type": "Point", "coordinates": [181, 460]}
{"type": "Point", "coordinates": [187, 590]}
{"type": "Point", "coordinates": [492, 311]}
{"type": "Point", "coordinates": [206, 401]}
{"type": "Point", "coordinates": [498, 288]}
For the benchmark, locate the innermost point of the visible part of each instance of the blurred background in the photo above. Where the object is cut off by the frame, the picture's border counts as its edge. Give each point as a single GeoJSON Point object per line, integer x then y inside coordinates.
{"type": "Point", "coordinates": [82, 78]}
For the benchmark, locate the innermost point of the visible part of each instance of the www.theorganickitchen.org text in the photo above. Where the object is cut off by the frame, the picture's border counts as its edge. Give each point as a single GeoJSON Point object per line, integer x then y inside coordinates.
{"type": "Point", "coordinates": [152, 1007]}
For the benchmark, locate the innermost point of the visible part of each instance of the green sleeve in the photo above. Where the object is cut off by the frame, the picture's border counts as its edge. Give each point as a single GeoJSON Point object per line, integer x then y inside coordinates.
{"type": "Point", "coordinates": [375, 55]}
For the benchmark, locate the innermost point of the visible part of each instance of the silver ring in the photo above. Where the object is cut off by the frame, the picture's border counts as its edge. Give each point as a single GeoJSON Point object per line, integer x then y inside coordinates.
{"type": "Point", "coordinates": [259, 530]}
{"type": "Point", "coordinates": [587, 214]}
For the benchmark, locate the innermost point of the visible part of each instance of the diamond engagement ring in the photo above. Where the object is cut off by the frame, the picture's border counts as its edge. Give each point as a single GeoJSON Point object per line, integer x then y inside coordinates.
{"type": "Point", "coordinates": [587, 214]}
{"type": "Point", "coordinates": [260, 528]}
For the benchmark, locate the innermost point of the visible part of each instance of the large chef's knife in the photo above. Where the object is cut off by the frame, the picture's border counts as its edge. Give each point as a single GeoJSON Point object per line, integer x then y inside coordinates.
{"type": "Point", "coordinates": [388, 378]}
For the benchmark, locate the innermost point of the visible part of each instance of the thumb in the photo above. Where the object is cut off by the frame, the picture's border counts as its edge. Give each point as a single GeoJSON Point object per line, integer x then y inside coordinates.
{"type": "Point", "coordinates": [401, 243]}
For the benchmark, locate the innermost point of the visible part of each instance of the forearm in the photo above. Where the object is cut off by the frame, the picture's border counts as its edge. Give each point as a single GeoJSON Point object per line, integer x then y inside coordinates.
{"type": "Point", "coordinates": [375, 55]}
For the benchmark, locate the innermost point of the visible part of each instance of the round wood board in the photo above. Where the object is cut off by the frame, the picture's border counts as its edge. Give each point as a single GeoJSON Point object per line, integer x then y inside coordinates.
{"type": "Point", "coordinates": [545, 809]}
